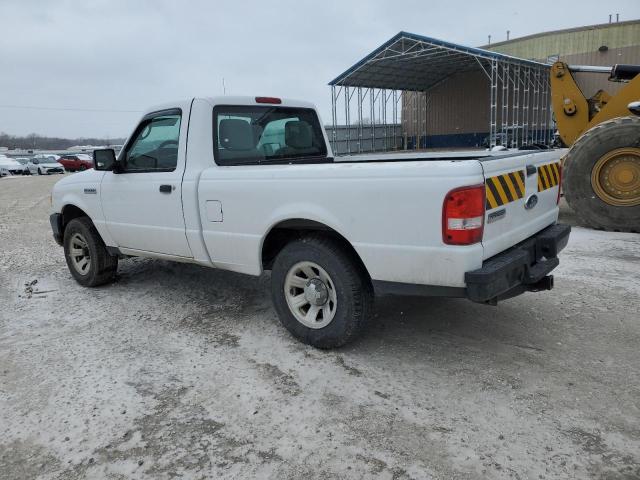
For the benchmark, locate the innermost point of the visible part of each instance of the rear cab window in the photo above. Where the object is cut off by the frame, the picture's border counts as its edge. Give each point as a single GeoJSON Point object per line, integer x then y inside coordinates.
{"type": "Point", "coordinates": [251, 135]}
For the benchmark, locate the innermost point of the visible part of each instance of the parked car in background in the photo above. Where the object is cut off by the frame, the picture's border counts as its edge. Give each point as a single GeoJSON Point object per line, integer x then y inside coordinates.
{"type": "Point", "coordinates": [76, 162]}
{"type": "Point", "coordinates": [46, 156]}
{"type": "Point", "coordinates": [44, 166]}
{"type": "Point", "coordinates": [3, 171]}
{"type": "Point", "coordinates": [12, 166]}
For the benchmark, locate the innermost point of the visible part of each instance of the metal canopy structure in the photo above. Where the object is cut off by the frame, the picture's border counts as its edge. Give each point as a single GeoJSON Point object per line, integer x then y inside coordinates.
{"type": "Point", "coordinates": [409, 64]}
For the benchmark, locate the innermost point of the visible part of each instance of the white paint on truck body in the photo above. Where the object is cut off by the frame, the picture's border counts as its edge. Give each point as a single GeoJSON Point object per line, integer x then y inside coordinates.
{"type": "Point", "coordinates": [389, 207]}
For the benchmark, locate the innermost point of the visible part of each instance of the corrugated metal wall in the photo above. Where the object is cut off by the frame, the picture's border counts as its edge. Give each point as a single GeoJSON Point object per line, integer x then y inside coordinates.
{"type": "Point", "coordinates": [572, 41]}
{"type": "Point", "coordinates": [459, 105]}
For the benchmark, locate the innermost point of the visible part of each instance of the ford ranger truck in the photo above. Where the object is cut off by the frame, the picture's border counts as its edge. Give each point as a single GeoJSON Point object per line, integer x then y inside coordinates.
{"type": "Point", "coordinates": [250, 185]}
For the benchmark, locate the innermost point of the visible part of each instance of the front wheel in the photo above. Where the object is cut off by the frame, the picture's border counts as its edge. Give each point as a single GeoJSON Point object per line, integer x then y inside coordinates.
{"type": "Point", "coordinates": [39, 171]}
{"type": "Point", "coordinates": [322, 294]}
{"type": "Point", "coordinates": [86, 254]}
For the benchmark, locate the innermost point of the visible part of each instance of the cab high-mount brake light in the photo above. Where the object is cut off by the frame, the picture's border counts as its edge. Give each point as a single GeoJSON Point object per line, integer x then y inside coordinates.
{"type": "Point", "coordinates": [463, 215]}
{"type": "Point", "coordinates": [273, 100]}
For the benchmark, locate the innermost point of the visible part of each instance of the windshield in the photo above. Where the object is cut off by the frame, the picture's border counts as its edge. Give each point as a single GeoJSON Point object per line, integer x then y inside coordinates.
{"type": "Point", "coordinates": [265, 134]}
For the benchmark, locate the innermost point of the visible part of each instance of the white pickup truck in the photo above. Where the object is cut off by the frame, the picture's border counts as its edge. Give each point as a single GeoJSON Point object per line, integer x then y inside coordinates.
{"type": "Point", "coordinates": [250, 184]}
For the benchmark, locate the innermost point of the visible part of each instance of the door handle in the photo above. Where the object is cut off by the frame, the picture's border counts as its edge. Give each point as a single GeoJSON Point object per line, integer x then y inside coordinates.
{"type": "Point", "coordinates": [166, 188]}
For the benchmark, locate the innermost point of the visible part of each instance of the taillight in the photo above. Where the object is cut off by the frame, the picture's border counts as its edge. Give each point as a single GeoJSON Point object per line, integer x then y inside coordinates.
{"type": "Point", "coordinates": [559, 183]}
{"type": "Point", "coordinates": [463, 215]}
{"type": "Point", "coordinates": [275, 100]}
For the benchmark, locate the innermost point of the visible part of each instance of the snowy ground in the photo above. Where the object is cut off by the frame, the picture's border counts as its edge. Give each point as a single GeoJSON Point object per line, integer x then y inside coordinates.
{"type": "Point", "coordinates": [177, 371]}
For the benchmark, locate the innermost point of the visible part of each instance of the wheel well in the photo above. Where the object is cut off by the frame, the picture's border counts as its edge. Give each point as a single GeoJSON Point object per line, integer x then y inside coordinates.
{"type": "Point", "coordinates": [284, 232]}
{"type": "Point", "coordinates": [69, 212]}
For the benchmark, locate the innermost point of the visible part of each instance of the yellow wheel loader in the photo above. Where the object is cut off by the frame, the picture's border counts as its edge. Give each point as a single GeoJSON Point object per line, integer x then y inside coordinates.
{"type": "Point", "coordinates": [601, 174]}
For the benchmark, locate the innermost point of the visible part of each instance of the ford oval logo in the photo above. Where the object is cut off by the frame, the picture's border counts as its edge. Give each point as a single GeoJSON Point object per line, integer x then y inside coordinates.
{"type": "Point", "coordinates": [531, 202]}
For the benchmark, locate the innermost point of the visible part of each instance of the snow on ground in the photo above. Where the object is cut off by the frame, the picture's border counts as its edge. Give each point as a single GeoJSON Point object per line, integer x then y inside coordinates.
{"type": "Point", "coordinates": [181, 371]}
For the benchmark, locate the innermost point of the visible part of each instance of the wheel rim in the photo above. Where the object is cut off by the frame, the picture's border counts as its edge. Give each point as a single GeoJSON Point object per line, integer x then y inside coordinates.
{"type": "Point", "coordinates": [311, 294]}
{"type": "Point", "coordinates": [79, 254]}
{"type": "Point", "coordinates": [616, 177]}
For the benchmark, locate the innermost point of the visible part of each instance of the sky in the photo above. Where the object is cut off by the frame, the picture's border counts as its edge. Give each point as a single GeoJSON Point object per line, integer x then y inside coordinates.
{"type": "Point", "coordinates": [88, 68]}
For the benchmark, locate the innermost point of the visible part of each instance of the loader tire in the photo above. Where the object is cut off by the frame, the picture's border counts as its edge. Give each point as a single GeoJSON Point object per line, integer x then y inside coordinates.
{"type": "Point", "coordinates": [601, 176]}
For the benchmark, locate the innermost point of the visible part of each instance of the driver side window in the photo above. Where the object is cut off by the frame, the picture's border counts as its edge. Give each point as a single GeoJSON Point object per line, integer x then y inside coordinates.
{"type": "Point", "coordinates": [155, 145]}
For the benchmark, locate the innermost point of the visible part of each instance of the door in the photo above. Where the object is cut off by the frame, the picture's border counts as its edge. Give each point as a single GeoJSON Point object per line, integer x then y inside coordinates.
{"type": "Point", "coordinates": [521, 197]}
{"type": "Point", "coordinates": [142, 201]}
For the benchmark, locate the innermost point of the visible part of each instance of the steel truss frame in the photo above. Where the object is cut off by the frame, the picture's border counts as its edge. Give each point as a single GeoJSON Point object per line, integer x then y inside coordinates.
{"type": "Point", "coordinates": [407, 68]}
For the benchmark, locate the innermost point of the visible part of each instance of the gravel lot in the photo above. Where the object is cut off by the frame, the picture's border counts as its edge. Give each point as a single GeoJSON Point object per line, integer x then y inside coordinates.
{"type": "Point", "coordinates": [178, 371]}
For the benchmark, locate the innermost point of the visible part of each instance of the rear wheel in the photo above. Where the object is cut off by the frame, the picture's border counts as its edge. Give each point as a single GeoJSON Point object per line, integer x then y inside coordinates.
{"type": "Point", "coordinates": [39, 171]}
{"type": "Point", "coordinates": [602, 175]}
{"type": "Point", "coordinates": [320, 291]}
{"type": "Point", "coordinates": [86, 254]}
{"type": "Point", "coordinates": [83, 168]}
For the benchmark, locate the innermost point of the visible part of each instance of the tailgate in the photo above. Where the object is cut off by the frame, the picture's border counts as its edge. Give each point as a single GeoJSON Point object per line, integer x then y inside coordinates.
{"type": "Point", "coordinates": [521, 197]}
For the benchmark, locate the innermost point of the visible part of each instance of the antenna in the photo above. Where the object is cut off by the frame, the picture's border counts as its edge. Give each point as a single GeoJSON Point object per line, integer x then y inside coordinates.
{"type": "Point", "coordinates": [224, 87]}
{"type": "Point", "coordinates": [489, 40]}
{"type": "Point", "coordinates": [508, 32]}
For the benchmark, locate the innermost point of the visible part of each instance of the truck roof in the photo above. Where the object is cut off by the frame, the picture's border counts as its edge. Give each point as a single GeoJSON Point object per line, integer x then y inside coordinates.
{"type": "Point", "coordinates": [232, 100]}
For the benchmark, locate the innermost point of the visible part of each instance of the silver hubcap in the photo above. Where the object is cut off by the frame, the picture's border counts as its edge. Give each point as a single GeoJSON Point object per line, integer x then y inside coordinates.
{"type": "Point", "coordinates": [310, 294]}
{"type": "Point", "coordinates": [79, 254]}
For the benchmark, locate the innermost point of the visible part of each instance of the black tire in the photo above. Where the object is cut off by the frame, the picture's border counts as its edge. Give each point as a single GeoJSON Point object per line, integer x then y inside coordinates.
{"type": "Point", "coordinates": [578, 165]}
{"type": "Point", "coordinates": [102, 265]}
{"type": "Point", "coordinates": [39, 171]}
{"type": "Point", "coordinates": [352, 284]}
{"type": "Point", "coordinates": [83, 168]}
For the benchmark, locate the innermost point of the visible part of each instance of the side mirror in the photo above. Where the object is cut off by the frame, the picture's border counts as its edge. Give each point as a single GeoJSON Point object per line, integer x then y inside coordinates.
{"type": "Point", "coordinates": [104, 159]}
{"type": "Point", "coordinates": [634, 107]}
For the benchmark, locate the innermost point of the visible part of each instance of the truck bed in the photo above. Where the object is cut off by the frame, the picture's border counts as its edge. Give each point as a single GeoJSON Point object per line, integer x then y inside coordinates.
{"type": "Point", "coordinates": [405, 156]}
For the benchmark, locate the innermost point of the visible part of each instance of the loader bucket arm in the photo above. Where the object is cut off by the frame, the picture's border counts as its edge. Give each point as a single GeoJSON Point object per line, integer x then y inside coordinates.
{"type": "Point", "coordinates": [569, 104]}
{"type": "Point", "coordinates": [571, 108]}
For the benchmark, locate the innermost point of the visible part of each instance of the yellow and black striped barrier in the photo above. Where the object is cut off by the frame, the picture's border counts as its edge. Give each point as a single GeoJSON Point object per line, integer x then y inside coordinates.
{"type": "Point", "coordinates": [505, 188]}
{"type": "Point", "coordinates": [548, 176]}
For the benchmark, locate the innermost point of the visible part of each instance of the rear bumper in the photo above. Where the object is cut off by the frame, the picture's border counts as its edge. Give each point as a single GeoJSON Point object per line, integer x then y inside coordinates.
{"type": "Point", "coordinates": [55, 219]}
{"type": "Point", "coordinates": [525, 267]}
{"type": "Point", "coordinates": [522, 268]}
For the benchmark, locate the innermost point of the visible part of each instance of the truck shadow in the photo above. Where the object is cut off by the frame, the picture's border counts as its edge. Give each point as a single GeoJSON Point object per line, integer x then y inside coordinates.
{"type": "Point", "coordinates": [416, 323]}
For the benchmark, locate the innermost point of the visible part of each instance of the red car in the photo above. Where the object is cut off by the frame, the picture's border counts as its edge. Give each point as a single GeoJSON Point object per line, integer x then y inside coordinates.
{"type": "Point", "coordinates": [76, 161]}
